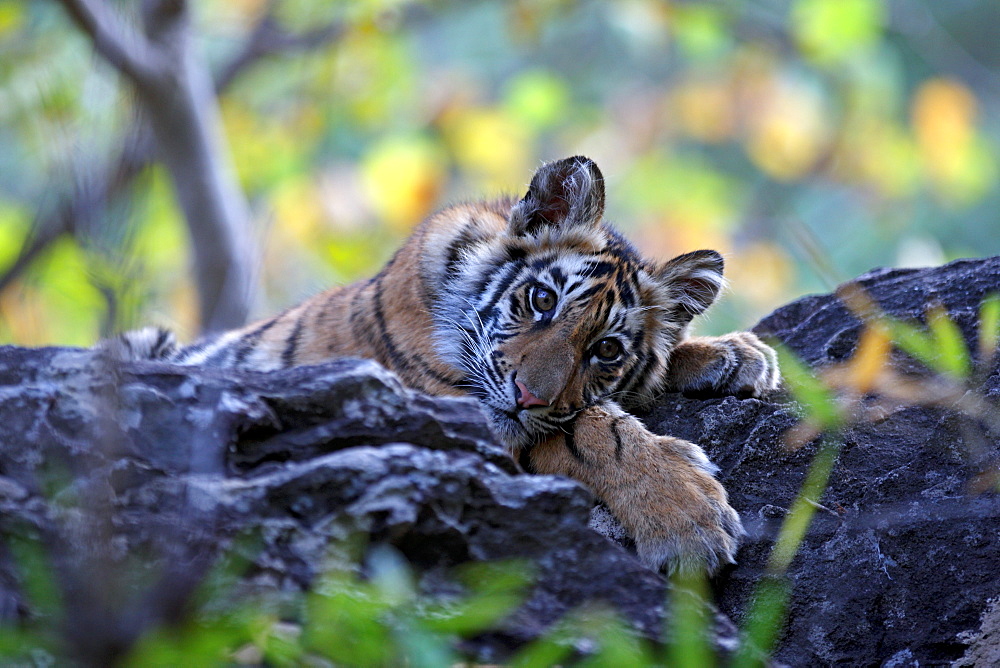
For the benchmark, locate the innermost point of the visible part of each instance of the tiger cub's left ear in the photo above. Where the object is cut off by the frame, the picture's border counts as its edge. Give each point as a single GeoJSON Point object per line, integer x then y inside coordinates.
{"type": "Point", "coordinates": [564, 193]}
{"type": "Point", "coordinates": [693, 282]}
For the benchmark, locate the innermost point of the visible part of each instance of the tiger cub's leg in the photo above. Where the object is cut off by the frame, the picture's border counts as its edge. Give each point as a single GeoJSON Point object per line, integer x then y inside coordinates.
{"type": "Point", "coordinates": [737, 363]}
{"type": "Point", "coordinates": [660, 488]}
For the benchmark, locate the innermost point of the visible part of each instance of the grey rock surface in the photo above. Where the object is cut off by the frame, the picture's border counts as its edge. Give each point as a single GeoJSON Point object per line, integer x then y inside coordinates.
{"type": "Point", "coordinates": [904, 554]}
{"type": "Point", "coordinates": [177, 463]}
{"type": "Point", "coordinates": [898, 567]}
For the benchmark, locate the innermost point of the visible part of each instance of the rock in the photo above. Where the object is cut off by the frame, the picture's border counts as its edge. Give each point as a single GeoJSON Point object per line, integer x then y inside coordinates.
{"type": "Point", "coordinates": [103, 462]}
{"type": "Point", "coordinates": [180, 462]}
{"type": "Point", "coordinates": [903, 555]}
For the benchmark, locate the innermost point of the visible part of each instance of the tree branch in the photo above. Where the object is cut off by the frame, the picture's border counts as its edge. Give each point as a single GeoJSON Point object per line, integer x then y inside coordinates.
{"type": "Point", "coordinates": [268, 38]}
{"type": "Point", "coordinates": [126, 50]}
{"type": "Point", "coordinates": [165, 22]}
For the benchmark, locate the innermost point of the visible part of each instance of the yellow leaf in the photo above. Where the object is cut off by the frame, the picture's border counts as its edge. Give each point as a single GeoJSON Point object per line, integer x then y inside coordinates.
{"type": "Point", "coordinates": [884, 155]}
{"type": "Point", "coordinates": [489, 143]}
{"type": "Point", "coordinates": [787, 131]}
{"type": "Point", "coordinates": [298, 210]}
{"type": "Point", "coordinates": [705, 110]}
{"type": "Point", "coordinates": [944, 111]}
{"type": "Point", "coordinates": [403, 177]}
{"type": "Point", "coordinates": [665, 237]}
{"type": "Point", "coordinates": [944, 121]}
{"type": "Point", "coordinates": [870, 357]}
{"type": "Point", "coordinates": [763, 273]}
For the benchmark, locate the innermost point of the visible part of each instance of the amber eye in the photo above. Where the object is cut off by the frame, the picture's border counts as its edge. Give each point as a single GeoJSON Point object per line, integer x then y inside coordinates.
{"type": "Point", "coordinates": [608, 349]}
{"type": "Point", "coordinates": [543, 300]}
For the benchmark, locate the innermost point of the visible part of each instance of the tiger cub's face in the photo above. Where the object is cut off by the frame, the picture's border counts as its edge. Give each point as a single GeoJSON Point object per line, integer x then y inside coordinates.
{"type": "Point", "coordinates": [561, 312]}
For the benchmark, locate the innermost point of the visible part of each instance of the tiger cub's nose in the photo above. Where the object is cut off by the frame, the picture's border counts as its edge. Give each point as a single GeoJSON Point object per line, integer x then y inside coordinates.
{"type": "Point", "coordinates": [525, 399]}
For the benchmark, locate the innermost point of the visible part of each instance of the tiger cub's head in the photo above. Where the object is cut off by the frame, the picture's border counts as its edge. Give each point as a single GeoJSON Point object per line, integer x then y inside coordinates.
{"type": "Point", "coordinates": [559, 311]}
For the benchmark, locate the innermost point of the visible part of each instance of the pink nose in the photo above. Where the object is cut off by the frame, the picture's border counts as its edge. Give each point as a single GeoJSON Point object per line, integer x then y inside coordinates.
{"type": "Point", "coordinates": [525, 399]}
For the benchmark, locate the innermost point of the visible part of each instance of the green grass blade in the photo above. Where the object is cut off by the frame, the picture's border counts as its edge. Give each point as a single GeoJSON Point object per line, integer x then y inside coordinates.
{"type": "Point", "coordinates": [689, 622]}
{"type": "Point", "coordinates": [989, 326]}
{"type": "Point", "coordinates": [811, 393]}
{"type": "Point", "coordinates": [796, 523]}
{"type": "Point", "coordinates": [770, 603]}
{"type": "Point", "coordinates": [914, 342]}
{"type": "Point", "coordinates": [952, 353]}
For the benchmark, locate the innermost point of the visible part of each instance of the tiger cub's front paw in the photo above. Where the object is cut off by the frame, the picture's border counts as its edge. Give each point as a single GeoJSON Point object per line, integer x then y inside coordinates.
{"type": "Point", "coordinates": [738, 363]}
{"type": "Point", "coordinates": [693, 528]}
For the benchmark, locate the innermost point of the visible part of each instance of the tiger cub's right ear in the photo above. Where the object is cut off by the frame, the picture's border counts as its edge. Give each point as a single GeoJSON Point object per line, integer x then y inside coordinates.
{"type": "Point", "coordinates": [564, 193]}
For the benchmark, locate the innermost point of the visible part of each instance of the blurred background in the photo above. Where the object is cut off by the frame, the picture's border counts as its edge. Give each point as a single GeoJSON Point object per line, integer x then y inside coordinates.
{"type": "Point", "coordinates": [808, 140]}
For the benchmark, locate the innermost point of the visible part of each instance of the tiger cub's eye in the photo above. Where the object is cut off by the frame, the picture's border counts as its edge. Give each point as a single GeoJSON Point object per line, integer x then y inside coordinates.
{"type": "Point", "coordinates": [608, 349]}
{"type": "Point", "coordinates": [543, 300]}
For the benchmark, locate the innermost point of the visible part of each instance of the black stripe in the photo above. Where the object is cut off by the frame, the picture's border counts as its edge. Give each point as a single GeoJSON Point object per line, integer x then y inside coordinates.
{"type": "Point", "coordinates": [626, 294]}
{"type": "Point", "coordinates": [618, 439]}
{"type": "Point", "coordinates": [558, 277]}
{"type": "Point", "coordinates": [217, 358]}
{"type": "Point", "coordinates": [455, 248]}
{"type": "Point", "coordinates": [248, 342]}
{"type": "Point", "coordinates": [590, 292]}
{"type": "Point", "coordinates": [515, 253]}
{"type": "Point", "coordinates": [570, 438]}
{"type": "Point", "coordinates": [524, 459]}
{"type": "Point", "coordinates": [400, 361]}
{"type": "Point", "coordinates": [512, 272]}
{"type": "Point", "coordinates": [358, 328]}
{"type": "Point", "coordinates": [598, 269]}
{"type": "Point", "coordinates": [292, 345]}
{"type": "Point", "coordinates": [188, 351]}
{"type": "Point", "coordinates": [543, 262]}
{"type": "Point", "coordinates": [631, 378]}
{"type": "Point", "coordinates": [160, 347]}
{"type": "Point", "coordinates": [734, 368]}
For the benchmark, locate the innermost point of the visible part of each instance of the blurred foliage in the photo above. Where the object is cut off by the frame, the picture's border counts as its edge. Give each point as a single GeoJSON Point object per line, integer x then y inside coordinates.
{"type": "Point", "coordinates": [375, 615]}
{"type": "Point", "coordinates": [808, 140]}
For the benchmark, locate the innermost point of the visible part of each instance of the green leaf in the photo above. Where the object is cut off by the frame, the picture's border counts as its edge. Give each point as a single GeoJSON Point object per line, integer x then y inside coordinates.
{"type": "Point", "coordinates": [690, 621]}
{"type": "Point", "coordinates": [796, 523]}
{"type": "Point", "coordinates": [953, 356]}
{"type": "Point", "coordinates": [767, 612]}
{"type": "Point", "coordinates": [496, 589]}
{"type": "Point", "coordinates": [810, 392]}
{"type": "Point", "coordinates": [770, 601]}
{"type": "Point", "coordinates": [423, 649]}
{"type": "Point", "coordinates": [537, 98]}
{"type": "Point", "coordinates": [832, 31]}
{"type": "Point", "coordinates": [551, 649]}
{"type": "Point", "coordinates": [989, 326]}
{"type": "Point", "coordinates": [701, 30]}
{"type": "Point", "coordinates": [915, 342]}
{"type": "Point", "coordinates": [617, 645]}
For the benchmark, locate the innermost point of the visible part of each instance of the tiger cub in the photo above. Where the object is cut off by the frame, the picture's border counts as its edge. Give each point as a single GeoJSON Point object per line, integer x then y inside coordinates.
{"type": "Point", "coordinates": [556, 325]}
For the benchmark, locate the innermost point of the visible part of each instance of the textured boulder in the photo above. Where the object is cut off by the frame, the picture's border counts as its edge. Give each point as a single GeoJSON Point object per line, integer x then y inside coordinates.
{"type": "Point", "coordinates": [904, 553]}
{"type": "Point", "coordinates": [103, 461]}
{"type": "Point", "coordinates": [179, 461]}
